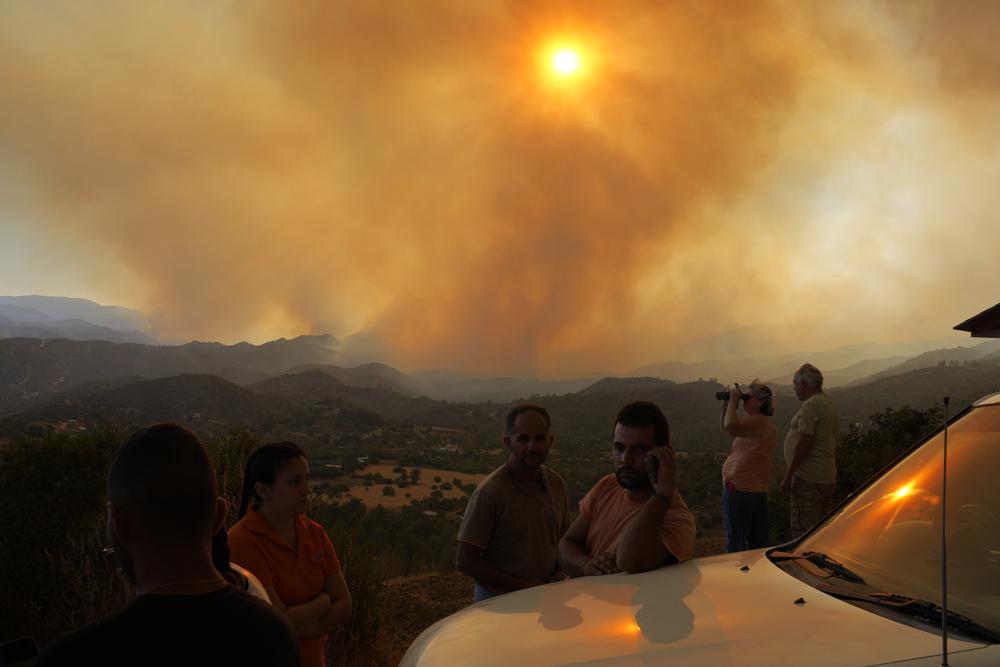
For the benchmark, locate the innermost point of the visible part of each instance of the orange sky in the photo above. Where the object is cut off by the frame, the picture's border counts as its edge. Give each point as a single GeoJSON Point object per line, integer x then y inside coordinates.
{"type": "Point", "coordinates": [413, 176]}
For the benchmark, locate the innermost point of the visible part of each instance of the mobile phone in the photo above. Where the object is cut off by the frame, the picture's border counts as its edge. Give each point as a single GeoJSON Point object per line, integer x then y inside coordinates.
{"type": "Point", "coordinates": [652, 467]}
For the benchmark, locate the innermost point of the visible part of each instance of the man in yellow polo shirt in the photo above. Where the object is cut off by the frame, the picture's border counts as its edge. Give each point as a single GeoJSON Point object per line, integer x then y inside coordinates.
{"type": "Point", "coordinates": [810, 452]}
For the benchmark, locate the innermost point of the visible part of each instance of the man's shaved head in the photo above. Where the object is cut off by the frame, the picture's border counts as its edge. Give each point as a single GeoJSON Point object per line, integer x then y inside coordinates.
{"type": "Point", "coordinates": [163, 477]}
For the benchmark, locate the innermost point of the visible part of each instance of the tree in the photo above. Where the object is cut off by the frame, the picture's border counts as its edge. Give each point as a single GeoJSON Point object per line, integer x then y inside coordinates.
{"type": "Point", "coordinates": [388, 490]}
{"type": "Point", "coordinates": [867, 448]}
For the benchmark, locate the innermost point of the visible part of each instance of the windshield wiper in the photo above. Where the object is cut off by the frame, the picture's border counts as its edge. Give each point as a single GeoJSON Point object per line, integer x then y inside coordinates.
{"type": "Point", "coordinates": [923, 610]}
{"type": "Point", "coordinates": [823, 562]}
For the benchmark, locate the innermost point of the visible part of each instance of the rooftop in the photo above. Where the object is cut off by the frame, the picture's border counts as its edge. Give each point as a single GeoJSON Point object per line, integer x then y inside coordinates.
{"type": "Point", "coordinates": [984, 325]}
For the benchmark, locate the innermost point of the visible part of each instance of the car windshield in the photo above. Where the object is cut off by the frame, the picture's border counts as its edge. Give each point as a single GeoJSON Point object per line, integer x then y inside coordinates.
{"type": "Point", "coordinates": [890, 534]}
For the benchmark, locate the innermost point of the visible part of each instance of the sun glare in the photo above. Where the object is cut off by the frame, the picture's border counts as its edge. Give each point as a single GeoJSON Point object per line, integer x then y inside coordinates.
{"type": "Point", "coordinates": [903, 492]}
{"type": "Point", "coordinates": [565, 62]}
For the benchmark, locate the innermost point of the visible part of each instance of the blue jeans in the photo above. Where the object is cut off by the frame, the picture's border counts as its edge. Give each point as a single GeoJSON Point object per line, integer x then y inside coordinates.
{"type": "Point", "coordinates": [481, 593]}
{"type": "Point", "coordinates": [744, 515]}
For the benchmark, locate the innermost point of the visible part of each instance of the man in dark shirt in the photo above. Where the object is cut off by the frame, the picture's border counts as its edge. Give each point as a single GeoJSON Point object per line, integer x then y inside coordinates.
{"type": "Point", "coordinates": [163, 510]}
{"type": "Point", "coordinates": [512, 525]}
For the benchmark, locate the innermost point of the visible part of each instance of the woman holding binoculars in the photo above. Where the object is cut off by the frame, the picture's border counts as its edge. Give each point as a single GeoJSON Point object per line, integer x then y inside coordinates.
{"type": "Point", "coordinates": [746, 473]}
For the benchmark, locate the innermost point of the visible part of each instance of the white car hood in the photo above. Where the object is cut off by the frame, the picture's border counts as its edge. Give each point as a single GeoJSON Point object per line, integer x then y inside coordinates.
{"type": "Point", "coordinates": [702, 612]}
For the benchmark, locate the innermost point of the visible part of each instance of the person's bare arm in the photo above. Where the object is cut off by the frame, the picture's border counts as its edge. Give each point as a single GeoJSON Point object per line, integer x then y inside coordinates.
{"type": "Point", "coordinates": [802, 449]}
{"type": "Point", "coordinates": [339, 611]}
{"type": "Point", "coordinates": [574, 558]}
{"type": "Point", "coordinates": [641, 546]}
{"type": "Point", "coordinates": [471, 561]}
{"type": "Point", "coordinates": [747, 427]}
{"type": "Point", "coordinates": [303, 616]}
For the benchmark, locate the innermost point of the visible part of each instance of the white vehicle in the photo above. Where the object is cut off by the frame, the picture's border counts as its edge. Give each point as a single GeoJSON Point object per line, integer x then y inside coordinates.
{"type": "Point", "coordinates": [862, 588]}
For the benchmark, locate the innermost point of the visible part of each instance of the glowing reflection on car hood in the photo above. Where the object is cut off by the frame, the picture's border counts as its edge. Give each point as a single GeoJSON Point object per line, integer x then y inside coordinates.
{"type": "Point", "coordinates": [703, 612]}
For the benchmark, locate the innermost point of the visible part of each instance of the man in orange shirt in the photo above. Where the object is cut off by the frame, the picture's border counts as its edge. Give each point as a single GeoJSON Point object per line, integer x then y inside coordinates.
{"type": "Point", "coordinates": [628, 522]}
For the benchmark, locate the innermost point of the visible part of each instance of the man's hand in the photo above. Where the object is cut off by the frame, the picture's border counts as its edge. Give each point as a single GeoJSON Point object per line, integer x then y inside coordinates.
{"type": "Point", "coordinates": [603, 564]}
{"type": "Point", "coordinates": [667, 470]}
{"type": "Point", "coordinates": [558, 575]}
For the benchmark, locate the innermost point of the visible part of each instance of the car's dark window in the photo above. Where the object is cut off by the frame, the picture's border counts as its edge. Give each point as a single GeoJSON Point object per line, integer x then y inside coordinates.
{"type": "Point", "coordinates": [891, 533]}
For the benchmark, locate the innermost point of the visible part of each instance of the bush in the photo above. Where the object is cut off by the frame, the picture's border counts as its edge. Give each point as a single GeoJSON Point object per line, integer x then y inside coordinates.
{"type": "Point", "coordinates": [230, 454]}
{"type": "Point", "coordinates": [356, 644]}
{"type": "Point", "coordinates": [53, 496]}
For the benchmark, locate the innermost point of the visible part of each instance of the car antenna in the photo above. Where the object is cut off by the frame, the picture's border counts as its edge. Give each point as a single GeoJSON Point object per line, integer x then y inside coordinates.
{"type": "Point", "coordinates": [944, 545]}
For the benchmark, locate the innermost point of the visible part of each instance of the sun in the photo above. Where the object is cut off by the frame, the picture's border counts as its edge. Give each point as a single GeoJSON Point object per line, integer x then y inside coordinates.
{"type": "Point", "coordinates": [565, 62]}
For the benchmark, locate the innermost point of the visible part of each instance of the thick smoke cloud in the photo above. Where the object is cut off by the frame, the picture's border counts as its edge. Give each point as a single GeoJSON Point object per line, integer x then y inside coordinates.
{"type": "Point", "coordinates": [413, 173]}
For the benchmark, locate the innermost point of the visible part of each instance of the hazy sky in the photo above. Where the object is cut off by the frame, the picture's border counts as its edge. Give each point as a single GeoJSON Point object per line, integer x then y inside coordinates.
{"type": "Point", "coordinates": [416, 175]}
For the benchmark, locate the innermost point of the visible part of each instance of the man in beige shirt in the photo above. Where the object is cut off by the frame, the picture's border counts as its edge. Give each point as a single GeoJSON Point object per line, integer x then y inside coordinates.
{"type": "Point", "coordinates": [512, 525]}
{"type": "Point", "coordinates": [810, 452]}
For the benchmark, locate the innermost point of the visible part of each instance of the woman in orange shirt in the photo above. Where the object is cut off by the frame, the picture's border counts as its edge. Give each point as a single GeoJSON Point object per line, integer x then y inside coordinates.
{"type": "Point", "coordinates": [746, 474]}
{"type": "Point", "coordinates": [290, 554]}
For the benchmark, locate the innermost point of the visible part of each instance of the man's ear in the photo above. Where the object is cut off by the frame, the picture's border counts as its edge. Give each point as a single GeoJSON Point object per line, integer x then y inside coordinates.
{"type": "Point", "coordinates": [506, 441]}
{"type": "Point", "coordinates": [221, 511]}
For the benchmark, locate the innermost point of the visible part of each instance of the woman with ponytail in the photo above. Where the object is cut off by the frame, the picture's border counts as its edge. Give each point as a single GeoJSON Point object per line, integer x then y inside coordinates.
{"type": "Point", "coordinates": [290, 554]}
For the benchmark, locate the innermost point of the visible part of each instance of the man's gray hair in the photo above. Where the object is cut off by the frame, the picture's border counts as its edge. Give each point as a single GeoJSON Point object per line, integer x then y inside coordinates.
{"type": "Point", "coordinates": [810, 376]}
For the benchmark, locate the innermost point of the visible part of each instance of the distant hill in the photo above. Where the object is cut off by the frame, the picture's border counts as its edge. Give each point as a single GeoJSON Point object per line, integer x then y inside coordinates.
{"type": "Point", "coordinates": [64, 308]}
{"type": "Point", "coordinates": [372, 374]}
{"type": "Point", "coordinates": [855, 373]}
{"type": "Point", "coordinates": [840, 364]}
{"type": "Point", "coordinates": [73, 329]}
{"type": "Point", "coordinates": [951, 355]}
{"type": "Point", "coordinates": [203, 402]}
{"type": "Point", "coordinates": [613, 385]}
{"type": "Point", "coordinates": [921, 388]}
{"type": "Point", "coordinates": [30, 368]}
{"type": "Point", "coordinates": [454, 387]}
{"type": "Point", "coordinates": [308, 387]}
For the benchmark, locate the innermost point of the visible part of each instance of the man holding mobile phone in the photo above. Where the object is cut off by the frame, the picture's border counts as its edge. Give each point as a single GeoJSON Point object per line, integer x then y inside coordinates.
{"type": "Point", "coordinates": [632, 521]}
